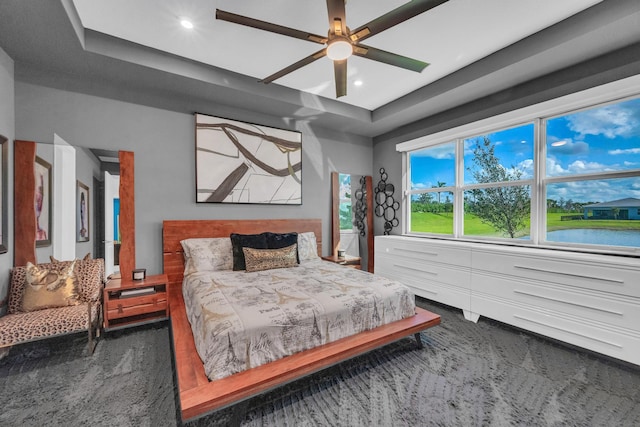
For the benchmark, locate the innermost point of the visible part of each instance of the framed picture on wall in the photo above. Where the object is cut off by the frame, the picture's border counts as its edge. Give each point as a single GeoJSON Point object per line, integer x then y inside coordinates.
{"type": "Point", "coordinates": [238, 162]}
{"type": "Point", "coordinates": [82, 212]}
{"type": "Point", "coordinates": [4, 149]}
{"type": "Point", "coordinates": [42, 170]}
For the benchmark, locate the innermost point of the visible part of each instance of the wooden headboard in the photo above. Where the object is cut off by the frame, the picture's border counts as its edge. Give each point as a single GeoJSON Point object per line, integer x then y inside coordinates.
{"type": "Point", "coordinates": [173, 231]}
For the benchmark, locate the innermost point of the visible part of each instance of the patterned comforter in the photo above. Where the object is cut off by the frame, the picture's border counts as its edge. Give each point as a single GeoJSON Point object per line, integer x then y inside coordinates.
{"type": "Point", "coordinates": [242, 320]}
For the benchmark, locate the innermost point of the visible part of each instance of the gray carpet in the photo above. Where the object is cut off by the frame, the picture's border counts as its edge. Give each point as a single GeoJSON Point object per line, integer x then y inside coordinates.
{"type": "Point", "coordinates": [467, 374]}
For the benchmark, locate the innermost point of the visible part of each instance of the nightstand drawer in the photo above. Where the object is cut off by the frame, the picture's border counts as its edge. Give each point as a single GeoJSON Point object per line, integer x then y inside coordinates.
{"type": "Point", "coordinates": [133, 306]}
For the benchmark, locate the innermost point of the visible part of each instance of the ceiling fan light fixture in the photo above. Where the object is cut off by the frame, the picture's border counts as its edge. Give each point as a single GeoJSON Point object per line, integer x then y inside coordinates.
{"type": "Point", "coordinates": [339, 49]}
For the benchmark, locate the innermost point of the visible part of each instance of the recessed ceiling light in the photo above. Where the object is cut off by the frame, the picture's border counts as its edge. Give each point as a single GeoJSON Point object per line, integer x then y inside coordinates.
{"type": "Point", "coordinates": [358, 83]}
{"type": "Point", "coordinates": [186, 23]}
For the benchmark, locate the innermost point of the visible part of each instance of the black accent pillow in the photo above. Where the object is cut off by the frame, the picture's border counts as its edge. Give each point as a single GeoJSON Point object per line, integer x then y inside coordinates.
{"type": "Point", "coordinates": [239, 241]}
{"type": "Point", "coordinates": [282, 240]}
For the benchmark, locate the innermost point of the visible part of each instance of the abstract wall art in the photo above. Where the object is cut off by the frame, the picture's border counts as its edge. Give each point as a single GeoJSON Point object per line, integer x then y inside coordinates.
{"type": "Point", "coordinates": [238, 162]}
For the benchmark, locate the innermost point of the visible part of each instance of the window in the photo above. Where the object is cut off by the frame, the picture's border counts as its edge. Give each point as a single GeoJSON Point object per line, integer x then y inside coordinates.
{"type": "Point", "coordinates": [498, 176]}
{"type": "Point", "coordinates": [432, 183]}
{"type": "Point", "coordinates": [591, 155]}
{"type": "Point", "coordinates": [570, 179]}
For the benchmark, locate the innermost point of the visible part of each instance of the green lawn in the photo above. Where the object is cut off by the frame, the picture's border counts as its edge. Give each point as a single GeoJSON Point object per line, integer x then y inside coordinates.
{"type": "Point", "coordinates": [554, 223]}
{"type": "Point", "coordinates": [443, 224]}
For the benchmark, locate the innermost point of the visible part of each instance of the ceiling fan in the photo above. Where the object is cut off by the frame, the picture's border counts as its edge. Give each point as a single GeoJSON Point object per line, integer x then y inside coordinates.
{"type": "Point", "coordinates": [341, 42]}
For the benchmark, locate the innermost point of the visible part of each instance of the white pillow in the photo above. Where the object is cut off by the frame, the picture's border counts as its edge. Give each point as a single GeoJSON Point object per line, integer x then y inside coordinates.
{"type": "Point", "coordinates": [307, 246]}
{"type": "Point", "coordinates": [207, 254]}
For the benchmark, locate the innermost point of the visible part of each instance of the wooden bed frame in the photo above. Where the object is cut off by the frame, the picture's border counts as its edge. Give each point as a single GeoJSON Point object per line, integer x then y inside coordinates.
{"type": "Point", "coordinates": [199, 396]}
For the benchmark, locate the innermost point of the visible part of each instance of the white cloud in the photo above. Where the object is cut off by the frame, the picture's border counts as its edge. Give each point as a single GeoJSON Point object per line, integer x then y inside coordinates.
{"type": "Point", "coordinates": [624, 151]}
{"type": "Point", "coordinates": [526, 166]}
{"type": "Point", "coordinates": [554, 168]}
{"type": "Point", "coordinates": [446, 151]}
{"type": "Point", "coordinates": [582, 191]}
{"type": "Point", "coordinates": [580, 166]}
{"type": "Point", "coordinates": [420, 185]}
{"type": "Point", "coordinates": [609, 121]}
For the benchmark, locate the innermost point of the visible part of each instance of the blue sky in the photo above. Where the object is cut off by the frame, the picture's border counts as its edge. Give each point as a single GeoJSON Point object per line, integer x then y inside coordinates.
{"type": "Point", "coordinates": [591, 141]}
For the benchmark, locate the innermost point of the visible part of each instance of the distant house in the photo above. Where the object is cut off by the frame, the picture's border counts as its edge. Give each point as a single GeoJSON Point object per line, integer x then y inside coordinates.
{"type": "Point", "coordinates": [628, 208]}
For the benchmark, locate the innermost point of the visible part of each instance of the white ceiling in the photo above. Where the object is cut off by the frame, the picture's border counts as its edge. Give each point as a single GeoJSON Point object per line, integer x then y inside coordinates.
{"type": "Point", "coordinates": [449, 37]}
{"type": "Point", "coordinates": [50, 45]}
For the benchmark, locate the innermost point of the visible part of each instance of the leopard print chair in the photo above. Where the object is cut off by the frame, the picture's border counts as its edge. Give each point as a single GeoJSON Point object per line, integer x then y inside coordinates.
{"type": "Point", "coordinates": [18, 327]}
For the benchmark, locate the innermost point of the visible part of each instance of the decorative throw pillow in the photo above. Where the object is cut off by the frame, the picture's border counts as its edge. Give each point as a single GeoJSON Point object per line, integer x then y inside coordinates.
{"type": "Point", "coordinates": [49, 288]}
{"type": "Point", "coordinates": [307, 246]}
{"type": "Point", "coordinates": [240, 241]}
{"type": "Point", "coordinates": [55, 261]}
{"type": "Point", "coordinates": [207, 254]}
{"type": "Point", "coordinates": [281, 240]}
{"type": "Point", "coordinates": [266, 259]}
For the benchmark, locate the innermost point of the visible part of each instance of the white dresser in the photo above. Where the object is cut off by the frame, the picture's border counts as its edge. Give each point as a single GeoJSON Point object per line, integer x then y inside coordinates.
{"type": "Point", "coordinates": [592, 301]}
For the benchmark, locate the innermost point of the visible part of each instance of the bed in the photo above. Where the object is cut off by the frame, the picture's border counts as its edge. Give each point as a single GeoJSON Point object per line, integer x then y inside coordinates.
{"type": "Point", "coordinates": [197, 394]}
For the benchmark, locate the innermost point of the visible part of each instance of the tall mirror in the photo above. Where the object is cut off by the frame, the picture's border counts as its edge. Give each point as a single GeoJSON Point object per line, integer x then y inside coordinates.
{"type": "Point", "coordinates": [116, 171]}
{"type": "Point", "coordinates": [60, 203]}
{"type": "Point", "coordinates": [352, 217]}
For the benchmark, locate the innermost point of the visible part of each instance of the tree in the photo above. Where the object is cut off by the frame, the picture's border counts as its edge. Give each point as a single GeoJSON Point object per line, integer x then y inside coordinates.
{"type": "Point", "coordinates": [615, 212]}
{"type": "Point", "coordinates": [425, 198]}
{"type": "Point", "coordinates": [440, 185]}
{"type": "Point", "coordinates": [504, 208]}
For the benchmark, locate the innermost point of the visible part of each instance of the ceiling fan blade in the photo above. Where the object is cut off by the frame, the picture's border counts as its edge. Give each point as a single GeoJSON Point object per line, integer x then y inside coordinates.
{"type": "Point", "coordinates": [389, 58]}
{"type": "Point", "coordinates": [337, 17]}
{"type": "Point", "coordinates": [293, 67]}
{"type": "Point", "coordinates": [268, 26]}
{"type": "Point", "coordinates": [396, 16]}
{"type": "Point", "coordinates": [340, 71]}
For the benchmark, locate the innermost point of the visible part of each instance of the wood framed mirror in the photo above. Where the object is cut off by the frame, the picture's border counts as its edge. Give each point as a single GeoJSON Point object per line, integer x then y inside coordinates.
{"type": "Point", "coordinates": [352, 216]}
{"type": "Point", "coordinates": [25, 214]}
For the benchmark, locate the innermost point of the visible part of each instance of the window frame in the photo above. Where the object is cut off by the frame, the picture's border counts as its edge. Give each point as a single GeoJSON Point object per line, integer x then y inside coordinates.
{"type": "Point", "coordinates": [537, 114]}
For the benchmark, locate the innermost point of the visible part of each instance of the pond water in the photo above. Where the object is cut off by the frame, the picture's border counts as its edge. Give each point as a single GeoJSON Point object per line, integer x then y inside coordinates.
{"type": "Point", "coordinates": [596, 236]}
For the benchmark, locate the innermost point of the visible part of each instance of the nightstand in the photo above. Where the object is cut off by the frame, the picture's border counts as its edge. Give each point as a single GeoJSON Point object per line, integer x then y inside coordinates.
{"type": "Point", "coordinates": [347, 261]}
{"type": "Point", "coordinates": [133, 302]}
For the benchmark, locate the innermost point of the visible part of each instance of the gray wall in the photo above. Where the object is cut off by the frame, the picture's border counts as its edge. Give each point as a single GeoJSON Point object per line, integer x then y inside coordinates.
{"type": "Point", "coordinates": [7, 123]}
{"type": "Point", "coordinates": [385, 156]}
{"type": "Point", "coordinates": [163, 142]}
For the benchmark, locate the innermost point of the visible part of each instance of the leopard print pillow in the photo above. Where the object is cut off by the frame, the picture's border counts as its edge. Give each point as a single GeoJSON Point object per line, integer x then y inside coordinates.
{"type": "Point", "coordinates": [49, 288]}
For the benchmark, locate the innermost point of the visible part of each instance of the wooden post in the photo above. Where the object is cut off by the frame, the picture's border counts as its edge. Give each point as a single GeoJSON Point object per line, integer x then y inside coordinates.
{"type": "Point", "coordinates": [127, 215]}
{"type": "Point", "coordinates": [24, 214]}
{"type": "Point", "coordinates": [370, 213]}
{"type": "Point", "coordinates": [335, 214]}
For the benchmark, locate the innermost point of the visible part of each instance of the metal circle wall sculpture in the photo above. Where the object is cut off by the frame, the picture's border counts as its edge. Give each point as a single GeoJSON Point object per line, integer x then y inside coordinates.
{"type": "Point", "coordinates": [360, 213]}
{"type": "Point", "coordinates": [386, 206]}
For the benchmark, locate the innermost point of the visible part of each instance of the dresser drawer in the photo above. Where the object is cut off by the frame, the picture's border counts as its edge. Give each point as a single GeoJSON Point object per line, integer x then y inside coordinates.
{"type": "Point", "coordinates": [416, 271]}
{"type": "Point", "coordinates": [423, 251]}
{"type": "Point", "coordinates": [589, 306]}
{"type": "Point", "coordinates": [580, 271]}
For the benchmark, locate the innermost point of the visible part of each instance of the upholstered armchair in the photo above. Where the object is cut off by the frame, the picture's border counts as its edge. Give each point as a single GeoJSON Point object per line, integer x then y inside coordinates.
{"type": "Point", "coordinates": [26, 321]}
